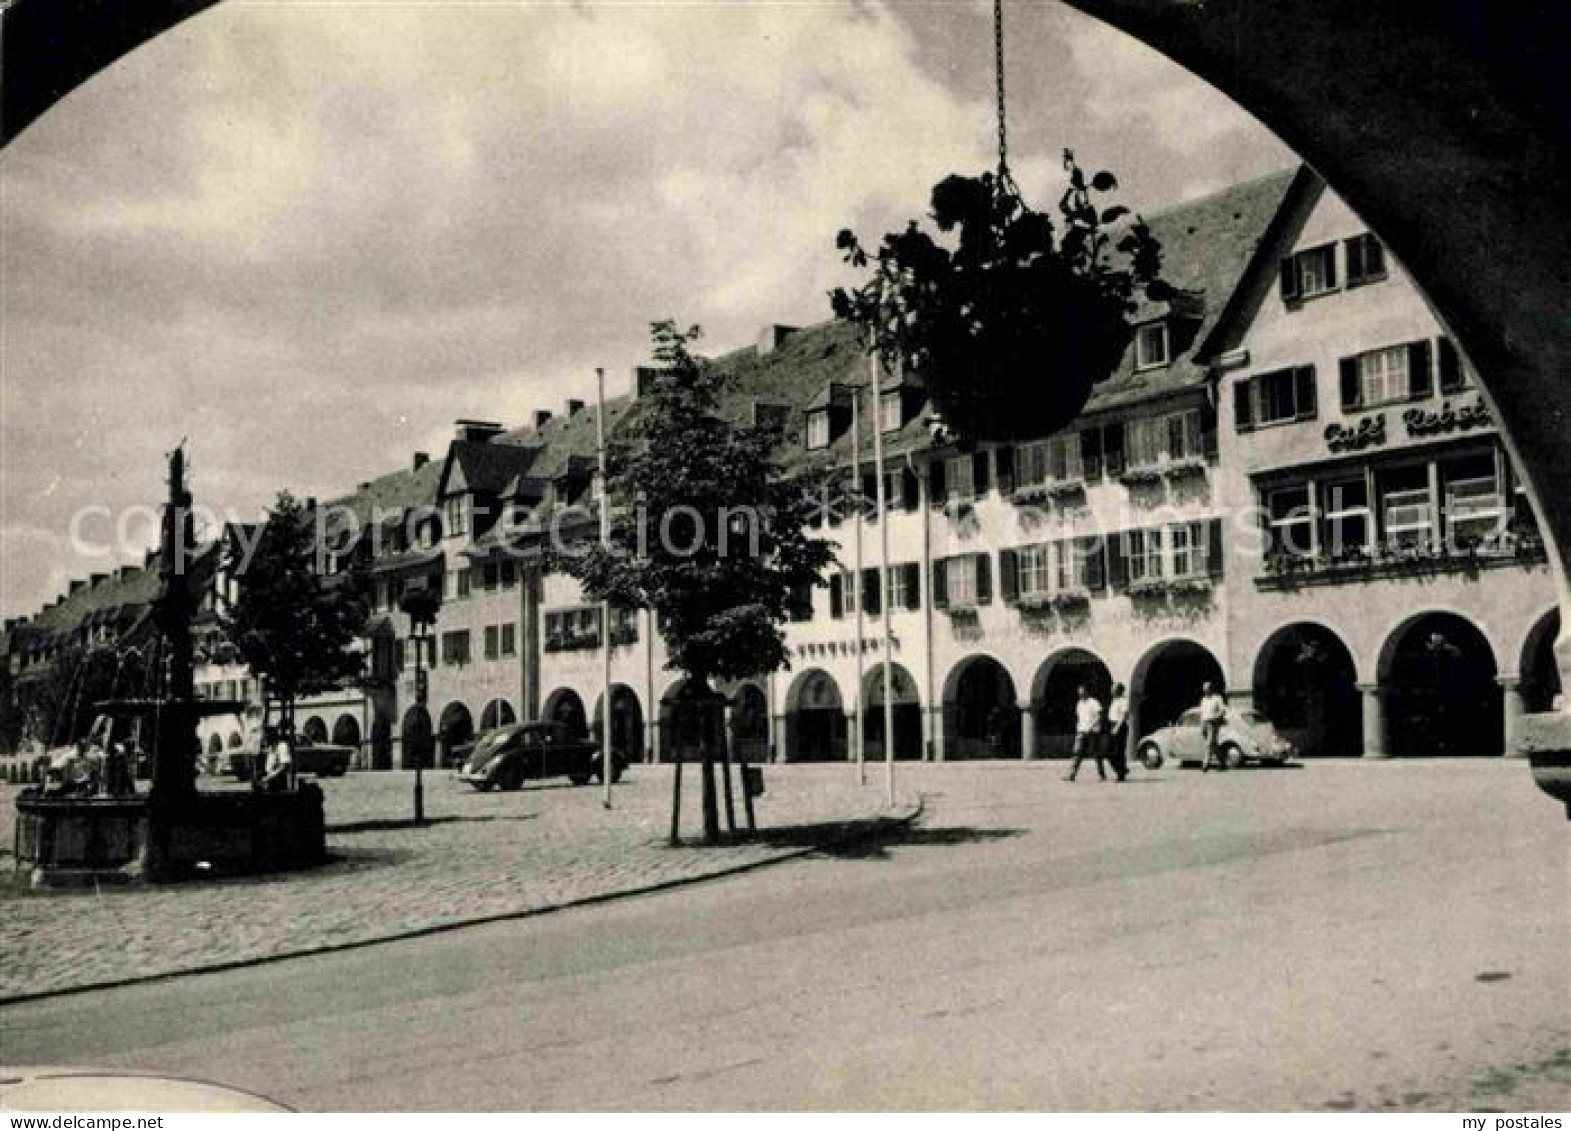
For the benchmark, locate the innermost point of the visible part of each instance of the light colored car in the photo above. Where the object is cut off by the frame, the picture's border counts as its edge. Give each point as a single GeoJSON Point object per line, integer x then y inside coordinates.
{"type": "Point", "coordinates": [1247, 736]}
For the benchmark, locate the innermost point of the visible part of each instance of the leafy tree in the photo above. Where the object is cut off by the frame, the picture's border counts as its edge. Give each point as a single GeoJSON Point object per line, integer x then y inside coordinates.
{"type": "Point", "coordinates": [1012, 325]}
{"type": "Point", "coordinates": [294, 628]}
{"type": "Point", "coordinates": [709, 533]}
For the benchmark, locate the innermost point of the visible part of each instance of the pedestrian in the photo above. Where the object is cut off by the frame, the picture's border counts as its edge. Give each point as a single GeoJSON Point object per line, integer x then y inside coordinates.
{"type": "Point", "coordinates": [1118, 732]}
{"type": "Point", "coordinates": [1213, 713]}
{"type": "Point", "coordinates": [1088, 734]}
{"type": "Point", "coordinates": [275, 778]}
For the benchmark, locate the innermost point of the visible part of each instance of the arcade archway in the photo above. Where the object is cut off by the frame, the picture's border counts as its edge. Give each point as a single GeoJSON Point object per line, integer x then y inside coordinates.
{"type": "Point", "coordinates": [815, 719]}
{"type": "Point", "coordinates": [1437, 672]}
{"type": "Point", "coordinates": [906, 711]}
{"type": "Point", "coordinates": [750, 723]}
{"type": "Point", "coordinates": [1541, 686]}
{"type": "Point", "coordinates": [627, 721]}
{"type": "Point", "coordinates": [1055, 693]}
{"type": "Point", "coordinates": [346, 731]}
{"type": "Point", "coordinates": [565, 707]}
{"type": "Point", "coordinates": [314, 730]}
{"type": "Point", "coordinates": [1306, 683]}
{"type": "Point", "coordinates": [457, 727]}
{"type": "Point", "coordinates": [981, 711]}
{"type": "Point", "coordinates": [1168, 681]}
{"type": "Point", "coordinates": [497, 713]}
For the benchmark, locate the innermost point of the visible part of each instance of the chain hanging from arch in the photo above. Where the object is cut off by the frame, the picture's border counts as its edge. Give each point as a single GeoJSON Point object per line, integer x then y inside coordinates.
{"type": "Point", "coordinates": [998, 73]}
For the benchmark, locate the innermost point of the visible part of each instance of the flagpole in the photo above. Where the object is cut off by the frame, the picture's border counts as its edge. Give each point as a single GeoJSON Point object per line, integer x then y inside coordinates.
{"type": "Point", "coordinates": [859, 724]}
{"type": "Point", "coordinates": [883, 569]}
{"type": "Point", "coordinates": [607, 768]}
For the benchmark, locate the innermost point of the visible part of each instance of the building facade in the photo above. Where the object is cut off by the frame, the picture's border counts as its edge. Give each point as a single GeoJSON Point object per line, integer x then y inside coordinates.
{"type": "Point", "coordinates": [1290, 488]}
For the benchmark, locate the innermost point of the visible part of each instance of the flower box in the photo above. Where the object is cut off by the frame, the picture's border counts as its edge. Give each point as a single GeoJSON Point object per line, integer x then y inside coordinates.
{"type": "Point", "coordinates": [1066, 489]}
{"type": "Point", "coordinates": [1029, 494]}
{"type": "Point", "coordinates": [1139, 476]}
{"type": "Point", "coordinates": [1066, 599]}
{"type": "Point", "coordinates": [962, 612]}
{"type": "Point", "coordinates": [1035, 602]}
{"type": "Point", "coordinates": [1180, 468]}
{"type": "Point", "coordinates": [1189, 585]}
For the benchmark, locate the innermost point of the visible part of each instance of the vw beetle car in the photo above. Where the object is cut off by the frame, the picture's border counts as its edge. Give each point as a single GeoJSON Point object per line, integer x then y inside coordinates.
{"type": "Point", "coordinates": [1247, 736]}
{"type": "Point", "coordinates": [506, 757]}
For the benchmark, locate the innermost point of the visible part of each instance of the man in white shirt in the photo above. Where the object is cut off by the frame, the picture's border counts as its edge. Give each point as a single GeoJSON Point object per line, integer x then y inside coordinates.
{"type": "Point", "coordinates": [1118, 732]}
{"type": "Point", "coordinates": [1088, 734]}
{"type": "Point", "coordinates": [275, 776]}
{"type": "Point", "coordinates": [1213, 713]}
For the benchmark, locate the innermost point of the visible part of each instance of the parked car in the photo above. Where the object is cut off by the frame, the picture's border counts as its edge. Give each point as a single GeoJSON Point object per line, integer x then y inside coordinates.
{"type": "Point", "coordinates": [1247, 736]}
{"type": "Point", "coordinates": [508, 756]}
{"type": "Point", "coordinates": [317, 759]}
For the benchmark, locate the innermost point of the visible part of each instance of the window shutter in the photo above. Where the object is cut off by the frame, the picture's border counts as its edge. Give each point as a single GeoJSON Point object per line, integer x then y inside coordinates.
{"type": "Point", "coordinates": [941, 583]}
{"type": "Point", "coordinates": [1213, 539]}
{"type": "Point", "coordinates": [1118, 561]}
{"type": "Point", "coordinates": [1305, 394]}
{"type": "Point", "coordinates": [1006, 470]}
{"type": "Point", "coordinates": [1330, 252]}
{"type": "Point", "coordinates": [1354, 249]}
{"type": "Point", "coordinates": [1094, 552]}
{"type": "Point", "coordinates": [872, 593]}
{"type": "Point", "coordinates": [1113, 448]}
{"type": "Point", "coordinates": [984, 579]}
{"type": "Point", "coordinates": [1244, 405]}
{"type": "Point", "coordinates": [1008, 576]}
{"type": "Point", "coordinates": [1348, 368]}
{"type": "Point", "coordinates": [836, 596]}
{"type": "Point", "coordinates": [1421, 382]}
{"type": "Point", "coordinates": [937, 493]}
{"type": "Point", "coordinates": [910, 489]}
{"type": "Point", "coordinates": [913, 586]}
{"type": "Point", "coordinates": [1208, 431]}
{"type": "Point", "coordinates": [1091, 453]}
{"type": "Point", "coordinates": [979, 476]}
{"type": "Point", "coordinates": [1289, 279]}
{"type": "Point", "coordinates": [1451, 379]}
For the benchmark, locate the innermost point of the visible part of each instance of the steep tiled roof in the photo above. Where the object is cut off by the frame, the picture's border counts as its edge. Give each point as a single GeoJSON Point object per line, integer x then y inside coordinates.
{"type": "Point", "coordinates": [490, 467]}
{"type": "Point", "coordinates": [1207, 246]}
{"type": "Point", "coordinates": [390, 494]}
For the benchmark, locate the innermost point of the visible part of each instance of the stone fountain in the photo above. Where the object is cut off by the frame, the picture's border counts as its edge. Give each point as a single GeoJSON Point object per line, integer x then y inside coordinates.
{"type": "Point", "coordinates": [174, 831]}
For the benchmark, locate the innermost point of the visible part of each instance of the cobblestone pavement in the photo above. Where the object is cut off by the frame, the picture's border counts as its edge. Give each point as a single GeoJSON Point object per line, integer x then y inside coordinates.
{"type": "Point", "coordinates": [481, 856]}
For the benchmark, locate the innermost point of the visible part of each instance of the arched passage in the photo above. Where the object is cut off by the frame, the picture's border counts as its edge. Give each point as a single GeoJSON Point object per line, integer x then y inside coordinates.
{"type": "Point", "coordinates": [457, 727]}
{"type": "Point", "coordinates": [1437, 672]}
{"type": "Point", "coordinates": [1540, 674]}
{"type": "Point", "coordinates": [235, 740]}
{"type": "Point", "coordinates": [346, 731]}
{"type": "Point", "coordinates": [981, 711]}
{"type": "Point", "coordinates": [415, 738]}
{"type": "Point", "coordinates": [564, 706]}
{"type": "Point", "coordinates": [907, 714]}
{"type": "Point", "coordinates": [215, 743]}
{"type": "Point", "coordinates": [627, 721]}
{"type": "Point", "coordinates": [1306, 683]}
{"type": "Point", "coordinates": [1167, 682]}
{"type": "Point", "coordinates": [314, 730]}
{"type": "Point", "coordinates": [497, 713]}
{"type": "Point", "coordinates": [815, 719]}
{"type": "Point", "coordinates": [1054, 693]}
{"type": "Point", "coordinates": [750, 722]}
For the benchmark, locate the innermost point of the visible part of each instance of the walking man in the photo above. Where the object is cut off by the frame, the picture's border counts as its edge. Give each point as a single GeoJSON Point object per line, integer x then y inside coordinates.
{"type": "Point", "coordinates": [1213, 713]}
{"type": "Point", "coordinates": [1088, 734]}
{"type": "Point", "coordinates": [1118, 732]}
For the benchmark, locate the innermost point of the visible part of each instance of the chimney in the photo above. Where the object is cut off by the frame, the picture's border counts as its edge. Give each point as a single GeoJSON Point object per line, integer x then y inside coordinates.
{"type": "Point", "coordinates": [541, 416]}
{"type": "Point", "coordinates": [574, 407]}
{"type": "Point", "coordinates": [77, 584]}
{"type": "Point", "coordinates": [97, 579]}
{"type": "Point", "coordinates": [475, 431]}
{"type": "Point", "coordinates": [362, 488]}
{"type": "Point", "coordinates": [770, 338]}
{"type": "Point", "coordinates": [421, 459]}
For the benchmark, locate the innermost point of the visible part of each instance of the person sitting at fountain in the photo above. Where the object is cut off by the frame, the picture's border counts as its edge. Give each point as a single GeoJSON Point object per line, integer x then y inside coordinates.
{"type": "Point", "coordinates": [275, 776]}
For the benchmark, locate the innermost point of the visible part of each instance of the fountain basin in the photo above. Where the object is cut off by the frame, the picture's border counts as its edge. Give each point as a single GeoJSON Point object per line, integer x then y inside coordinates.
{"type": "Point", "coordinates": [73, 840]}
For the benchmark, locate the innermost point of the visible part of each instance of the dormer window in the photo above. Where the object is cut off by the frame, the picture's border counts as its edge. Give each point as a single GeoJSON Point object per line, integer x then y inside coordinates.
{"type": "Point", "coordinates": [455, 515]}
{"type": "Point", "coordinates": [818, 429]}
{"type": "Point", "coordinates": [1309, 273]}
{"type": "Point", "coordinates": [1151, 346]}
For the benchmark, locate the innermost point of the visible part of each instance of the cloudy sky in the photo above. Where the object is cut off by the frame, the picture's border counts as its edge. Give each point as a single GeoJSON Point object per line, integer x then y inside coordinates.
{"type": "Point", "coordinates": [309, 235]}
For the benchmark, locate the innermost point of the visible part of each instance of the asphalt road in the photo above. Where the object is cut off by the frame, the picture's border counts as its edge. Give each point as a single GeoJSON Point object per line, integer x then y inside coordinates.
{"type": "Point", "coordinates": [1336, 937]}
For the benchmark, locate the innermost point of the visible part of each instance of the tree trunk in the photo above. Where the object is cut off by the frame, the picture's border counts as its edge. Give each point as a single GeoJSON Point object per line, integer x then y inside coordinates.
{"type": "Point", "coordinates": [676, 794]}
{"type": "Point", "coordinates": [725, 773]}
{"type": "Point", "coordinates": [711, 810]}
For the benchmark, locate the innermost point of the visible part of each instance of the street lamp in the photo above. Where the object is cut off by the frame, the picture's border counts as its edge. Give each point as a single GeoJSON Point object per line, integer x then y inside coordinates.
{"type": "Point", "coordinates": [421, 603]}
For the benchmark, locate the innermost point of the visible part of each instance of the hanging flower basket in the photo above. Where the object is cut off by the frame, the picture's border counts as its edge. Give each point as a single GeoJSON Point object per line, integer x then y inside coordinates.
{"type": "Point", "coordinates": [1012, 326]}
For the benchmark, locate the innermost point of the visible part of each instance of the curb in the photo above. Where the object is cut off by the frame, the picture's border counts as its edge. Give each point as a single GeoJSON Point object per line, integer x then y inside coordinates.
{"type": "Point", "coordinates": [878, 827]}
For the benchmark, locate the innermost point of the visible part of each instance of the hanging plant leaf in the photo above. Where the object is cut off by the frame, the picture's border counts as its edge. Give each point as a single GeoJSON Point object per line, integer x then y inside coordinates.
{"type": "Point", "coordinates": [1008, 328]}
